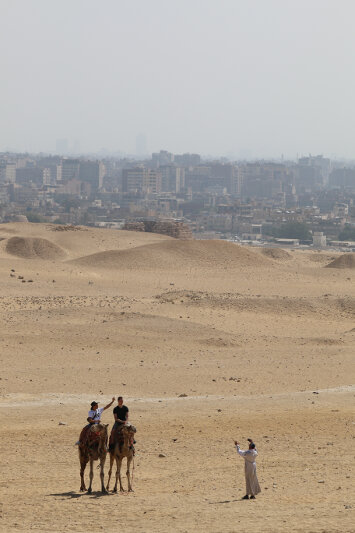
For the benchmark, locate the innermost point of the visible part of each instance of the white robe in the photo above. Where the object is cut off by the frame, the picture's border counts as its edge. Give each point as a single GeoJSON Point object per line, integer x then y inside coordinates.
{"type": "Point", "coordinates": [251, 480]}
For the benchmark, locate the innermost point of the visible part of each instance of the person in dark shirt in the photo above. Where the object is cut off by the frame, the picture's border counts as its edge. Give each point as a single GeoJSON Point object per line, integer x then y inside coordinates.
{"type": "Point", "coordinates": [120, 414]}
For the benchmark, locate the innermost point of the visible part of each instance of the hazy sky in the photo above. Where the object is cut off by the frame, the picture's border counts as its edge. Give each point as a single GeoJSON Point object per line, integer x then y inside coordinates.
{"type": "Point", "coordinates": [258, 77]}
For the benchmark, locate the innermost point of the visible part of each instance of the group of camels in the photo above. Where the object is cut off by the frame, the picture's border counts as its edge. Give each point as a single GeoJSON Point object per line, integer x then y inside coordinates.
{"type": "Point", "coordinates": [95, 449]}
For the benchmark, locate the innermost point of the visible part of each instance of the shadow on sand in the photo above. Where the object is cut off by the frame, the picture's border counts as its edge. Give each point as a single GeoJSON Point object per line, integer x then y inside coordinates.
{"type": "Point", "coordinates": [226, 501]}
{"type": "Point", "coordinates": [72, 495]}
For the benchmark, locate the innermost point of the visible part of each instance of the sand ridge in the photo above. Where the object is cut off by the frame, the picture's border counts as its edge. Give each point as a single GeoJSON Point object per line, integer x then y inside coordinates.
{"type": "Point", "coordinates": [176, 254]}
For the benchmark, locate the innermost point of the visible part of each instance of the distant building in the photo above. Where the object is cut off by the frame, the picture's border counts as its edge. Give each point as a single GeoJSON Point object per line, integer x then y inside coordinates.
{"type": "Point", "coordinates": [340, 210]}
{"type": "Point", "coordinates": [10, 173]}
{"type": "Point", "coordinates": [132, 179]}
{"type": "Point", "coordinates": [187, 160]}
{"type": "Point", "coordinates": [72, 187]}
{"type": "Point", "coordinates": [342, 178]}
{"type": "Point", "coordinates": [162, 158]}
{"type": "Point", "coordinates": [172, 178]}
{"type": "Point", "coordinates": [262, 180]}
{"type": "Point", "coordinates": [49, 175]}
{"type": "Point", "coordinates": [4, 194]}
{"type": "Point", "coordinates": [141, 180]}
{"type": "Point", "coordinates": [70, 169]}
{"type": "Point", "coordinates": [319, 162]}
{"type": "Point", "coordinates": [92, 172]}
{"type": "Point", "coordinates": [222, 176]}
{"type": "Point", "coordinates": [311, 173]}
{"type": "Point", "coordinates": [197, 178]}
{"type": "Point", "coordinates": [319, 240]}
{"type": "Point", "coordinates": [26, 174]}
{"type": "Point", "coordinates": [288, 242]}
{"type": "Point", "coordinates": [152, 182]}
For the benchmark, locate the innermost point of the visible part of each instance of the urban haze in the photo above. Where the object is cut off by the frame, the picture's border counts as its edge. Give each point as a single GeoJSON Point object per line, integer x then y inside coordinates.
{"type": "Point", "coordinates": [257, 79]}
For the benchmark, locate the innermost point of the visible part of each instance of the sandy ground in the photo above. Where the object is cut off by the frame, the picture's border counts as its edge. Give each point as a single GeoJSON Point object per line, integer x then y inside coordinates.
{"type": "Point", "coordinates": [262, 345]}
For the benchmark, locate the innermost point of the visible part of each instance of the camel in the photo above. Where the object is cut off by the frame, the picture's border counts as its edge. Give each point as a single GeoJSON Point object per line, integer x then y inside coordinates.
{"type": "Point", "coordinates": [119, 452]}
{"type": "Point", "coordinates": [94, 449]}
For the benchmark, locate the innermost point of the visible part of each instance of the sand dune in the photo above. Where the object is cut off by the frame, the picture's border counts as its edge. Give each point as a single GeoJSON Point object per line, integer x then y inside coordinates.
{"type": "Point", "coordinates": [344, 261]}
{"type": "Point", "coordinates": [33, 248]}
{"type": "Point", "coordinates": [80, 240]}
{"type": "Point", "coordinates": [175, 254]}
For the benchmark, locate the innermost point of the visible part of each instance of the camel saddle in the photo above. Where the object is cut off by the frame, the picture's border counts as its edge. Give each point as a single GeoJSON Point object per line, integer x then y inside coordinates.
{"type": "Point", "coordinates": [88, 435]}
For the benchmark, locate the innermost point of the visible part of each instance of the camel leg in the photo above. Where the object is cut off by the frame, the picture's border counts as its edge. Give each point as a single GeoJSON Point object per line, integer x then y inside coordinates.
{"type": "Point", "coordinates": [83, 464]}
{"type": "Point", "coordinates": [118, 473]}
{"type": "Point", "coordinates": [115, 487]}
{"type": "Point", "coordinates": [91, 475]}
{"type": "Point", "coordinates": [128, 474]}
{"type": "Point", "coordinates": [102, 474]}
{"type": "Point", "coordinates": [112, 458]}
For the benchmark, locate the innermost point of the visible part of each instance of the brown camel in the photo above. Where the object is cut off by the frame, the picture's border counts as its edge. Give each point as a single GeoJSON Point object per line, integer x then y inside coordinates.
{"type": "Point", "coordinates": [122, 448]}
{"type": "Point", "coordinates": [94, 449]}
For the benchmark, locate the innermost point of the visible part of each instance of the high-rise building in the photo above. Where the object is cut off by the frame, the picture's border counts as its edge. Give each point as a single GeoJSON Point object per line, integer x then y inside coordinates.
{"type": "Point", "coordinates": [132, 179]}
{"type": "Point", "coordinates": [10, 172]}
{"type": "Point", "coordinates": [141, 180]}
{"type": "Point", "coordinates": [314, 171]}
{"type": "Point", "coordinates": [151, 182]}
{"type": "Point", "coordinates": [29, 174]}
{"type": "Point", "coordinates": [172, 178]}
{"type": "Point", "coordinates": [342, 178]}
{"type": "Point", "coordinates": [162, 158]}
{"type": "Point", "coordinates": [70, 169]}
{"type": "Point", "coordinates": [92, 172]}
{"type": "Point", "coordinates": [222, 175]}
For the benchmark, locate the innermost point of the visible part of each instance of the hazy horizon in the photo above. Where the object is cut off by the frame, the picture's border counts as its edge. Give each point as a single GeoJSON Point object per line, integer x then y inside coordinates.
{"type": "Point", "coordinates": [228, 78]}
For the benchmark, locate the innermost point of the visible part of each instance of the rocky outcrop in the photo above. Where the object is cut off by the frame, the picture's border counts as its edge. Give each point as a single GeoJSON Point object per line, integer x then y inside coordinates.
{"type": "Point", "coordinates": [134, 226]}
{"type": "Point", "coordinates": [171, 228]}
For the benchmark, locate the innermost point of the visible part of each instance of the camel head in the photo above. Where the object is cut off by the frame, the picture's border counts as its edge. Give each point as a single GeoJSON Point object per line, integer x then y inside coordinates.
{"type": "Point", "coordinates": [128, 429]}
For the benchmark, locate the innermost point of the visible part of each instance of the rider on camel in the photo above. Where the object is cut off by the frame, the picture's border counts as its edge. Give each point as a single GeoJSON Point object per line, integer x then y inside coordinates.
{"type": "Point", "coordinates": [120, 414]}
{"type": "Point", "coordinates": [94, 417]}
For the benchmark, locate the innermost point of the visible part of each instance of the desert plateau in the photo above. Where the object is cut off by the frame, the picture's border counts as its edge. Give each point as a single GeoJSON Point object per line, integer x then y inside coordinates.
{"type": "Point", "coordinates": [207, 342]}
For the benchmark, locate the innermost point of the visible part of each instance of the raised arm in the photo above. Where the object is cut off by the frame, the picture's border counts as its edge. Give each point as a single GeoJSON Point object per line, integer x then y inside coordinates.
{"type": "Point", "coordinates": [109, 404]}
{"type": "Point", "coordinates": [241, 452]}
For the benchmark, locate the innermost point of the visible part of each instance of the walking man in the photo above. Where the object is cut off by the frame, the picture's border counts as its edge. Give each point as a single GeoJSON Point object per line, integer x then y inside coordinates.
{"type": "Point", "coordinates": [251, 480]}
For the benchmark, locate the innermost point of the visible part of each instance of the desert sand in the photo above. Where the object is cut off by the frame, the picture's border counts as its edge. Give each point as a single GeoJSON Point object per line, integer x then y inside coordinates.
{"type": "Point", "coordinates": [207, 342]}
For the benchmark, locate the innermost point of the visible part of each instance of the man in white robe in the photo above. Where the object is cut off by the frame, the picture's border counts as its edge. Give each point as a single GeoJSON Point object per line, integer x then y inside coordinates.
{"type": "Point", "coordinates": [251, 480]}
